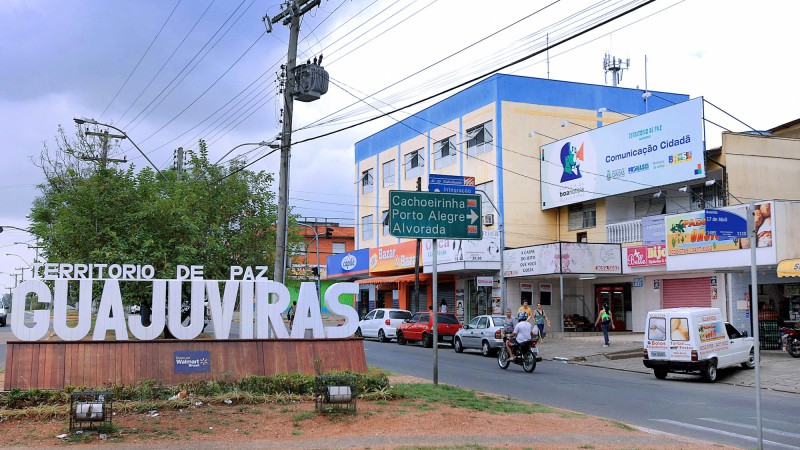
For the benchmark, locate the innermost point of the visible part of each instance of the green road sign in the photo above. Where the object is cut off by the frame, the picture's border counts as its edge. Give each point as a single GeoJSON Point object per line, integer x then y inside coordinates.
{"type": "Point", "coordinates": [434, 215]}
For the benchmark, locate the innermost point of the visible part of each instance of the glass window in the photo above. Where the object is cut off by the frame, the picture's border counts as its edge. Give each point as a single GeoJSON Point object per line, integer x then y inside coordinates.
{"type": "Point", "coordinates": [647, 205]}
{"type": "Point", "coordinates": [370, 316]}
{"type": "Point", "coordinates": [338, 247]}
{"type": "Point", "coordinates": [480, 139]}
{"type": "Point", "coordinates": [484, 322]}
{"type": "Point", "coordinates": [679, 329]}
{"type": "Point", "coordinates": [657, 329]}
{"type": "Point", "coordinates": [444, 152]}
{"type": "Point", "coordinates": [583, 215]}
{"type": "Point", "coordinates": [733, 333]}
{"type": "Point", "coordinates": [385, 222]}
{"type": "Point", "coordinates": [706, 196]}
{"type": "Point", "coordinates": [399, 315]}
{"type": "Point", "coordinates": [367, 223]}
{"type": "Point", "coordinates": [424, 318]}
{"type": "Point", "coordinates": [413, 164]}
{"type": "Point", "coordinates": [499, 321]}
{"type": "Point", "coordinates": [367, 181]}
{"type": "Point", "coordinates": [474, 322]}
{"type": "Point", "coordinates": [449, 319]}
{"type": "Point", "coordinates": [388, 173]}
{"type": "Point", "coordinates": [379, 314]}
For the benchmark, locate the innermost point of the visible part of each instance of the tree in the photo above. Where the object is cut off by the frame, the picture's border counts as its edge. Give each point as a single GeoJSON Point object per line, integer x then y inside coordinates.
{"type": "Point", "coordinates": [115, 216]}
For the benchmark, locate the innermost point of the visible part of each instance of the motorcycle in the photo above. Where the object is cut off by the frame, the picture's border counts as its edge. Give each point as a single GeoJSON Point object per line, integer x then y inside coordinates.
{"type": "Point", "coordinates": [525, 354]}
{"type": "Point", "coordinates": [791, 339]}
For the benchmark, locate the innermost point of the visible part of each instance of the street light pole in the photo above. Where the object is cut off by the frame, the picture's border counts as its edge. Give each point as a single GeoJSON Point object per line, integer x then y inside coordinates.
{"type": "Point", "coordinates": [82, 121]}
{"type": "Point", "coordinates": [316, 238]}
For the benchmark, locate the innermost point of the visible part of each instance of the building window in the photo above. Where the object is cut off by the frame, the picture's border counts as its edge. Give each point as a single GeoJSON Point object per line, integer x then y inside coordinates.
{"type": "Point", "coordinates": [385, 222]}
{"type": "Point", "coordinates": [582, 216]}
{"type": "Point", "coordinates": [413, 164]}
{"type": "Point", "coordinates": [444, 153]}
{"type": "Point", "coordinates": [647, 205]}
{"type": "Point", "coordinates": [388, 173]}
{"type": "Point", "coordinates": [583, 236]}
{"type": "Point", "coordinates": [337, 247]}
{"type": "Point", "coordinates": [367, 181]}
{"type": "Point", "coordinates": [706, 196]}
{"type": "Point", "coordinates": [480, 139]}
{"type": "Point", "coordinates": [367, 223]}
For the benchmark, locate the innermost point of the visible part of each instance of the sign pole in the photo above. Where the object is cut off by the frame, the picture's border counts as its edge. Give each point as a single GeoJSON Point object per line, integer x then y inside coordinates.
{"type": "Point", "coordinates": [435, 321]}
{"type": "Point", "coordinates": [754, 311]}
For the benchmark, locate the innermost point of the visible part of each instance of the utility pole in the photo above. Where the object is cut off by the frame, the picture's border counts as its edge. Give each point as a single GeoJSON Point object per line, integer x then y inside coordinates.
{"type": "Point", "coordinates": [104, 159]}
{"type": "Point", "coordinates": [291, 17]}
{"type": "Point", "coordinates": [179, 163]}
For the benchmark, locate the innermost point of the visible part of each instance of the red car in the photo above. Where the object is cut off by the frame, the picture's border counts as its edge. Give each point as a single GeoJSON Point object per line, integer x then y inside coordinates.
{"type": "Point", "coordinates": [419, 328]}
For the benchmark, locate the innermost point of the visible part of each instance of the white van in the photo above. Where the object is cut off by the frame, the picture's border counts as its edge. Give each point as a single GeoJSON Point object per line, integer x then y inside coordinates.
{"type": "Point", "coordinates": [694, 340]}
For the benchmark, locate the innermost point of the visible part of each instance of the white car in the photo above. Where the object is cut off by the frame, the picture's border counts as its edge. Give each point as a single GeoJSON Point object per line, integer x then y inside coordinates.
{"type": "Point", "coordinates": [382, 323]}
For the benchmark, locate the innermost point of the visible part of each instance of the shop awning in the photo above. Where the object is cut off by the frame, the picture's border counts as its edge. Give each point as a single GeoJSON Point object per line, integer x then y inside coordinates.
{"type": "Point", "coordinates": [396, 279]}
{"type": "Point", "coordinates": [789, 268]}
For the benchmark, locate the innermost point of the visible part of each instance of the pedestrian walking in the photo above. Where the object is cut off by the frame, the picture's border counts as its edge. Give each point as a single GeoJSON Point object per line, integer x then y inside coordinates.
{"type": "Point", "coordinates": [605, 322]}
{"type": "Point", "coordinates": [540, 318]}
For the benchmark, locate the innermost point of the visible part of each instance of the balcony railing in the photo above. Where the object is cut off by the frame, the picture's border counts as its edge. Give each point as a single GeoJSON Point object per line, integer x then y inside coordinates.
{"type": "Point", "coordinates": [622, 232]}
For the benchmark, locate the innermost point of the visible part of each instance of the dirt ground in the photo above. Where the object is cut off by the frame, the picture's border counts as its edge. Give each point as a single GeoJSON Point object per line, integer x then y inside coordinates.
{"type": "Point", "coordinates": [377, 424]}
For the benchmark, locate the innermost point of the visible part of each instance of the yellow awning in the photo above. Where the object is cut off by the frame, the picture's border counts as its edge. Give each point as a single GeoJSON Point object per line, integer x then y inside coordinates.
{"type": "Point", "coordinates": [789, 268]}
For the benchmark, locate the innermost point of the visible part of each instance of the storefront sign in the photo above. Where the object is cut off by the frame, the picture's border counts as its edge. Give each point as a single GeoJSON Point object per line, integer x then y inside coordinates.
{"type": "Point", "coordinates": [688, 233]}
{"type": "Point", "coordinates": [484, 281]}
{"type": "Point", "coordinates": [348, 264]}
{"type": "Point", "coordinates": [564, 257]}
{"type": "Point", "coordinates": [653, 231]}
{"type": "Point", "coordinates": [663, 147]}
{"type": "Point", "coordinates": [262, 301]}
{"type": "Point", "coordinates": [643, 256]}
{"type": "Point", "coordinates": [393, 257]}
{"type": "Point", "coordinates": [638, 282]}
{"type": "Point", "coordinates": [456, 250]}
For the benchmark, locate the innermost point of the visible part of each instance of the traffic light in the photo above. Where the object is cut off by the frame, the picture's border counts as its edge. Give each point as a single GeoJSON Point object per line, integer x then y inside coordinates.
{"type": "Point", "coordinates": [328, 232]}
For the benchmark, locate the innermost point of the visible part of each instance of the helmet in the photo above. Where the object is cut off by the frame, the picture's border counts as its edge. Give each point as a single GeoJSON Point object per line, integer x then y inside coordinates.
{"type": "Point", "coordinates": [522, 316]}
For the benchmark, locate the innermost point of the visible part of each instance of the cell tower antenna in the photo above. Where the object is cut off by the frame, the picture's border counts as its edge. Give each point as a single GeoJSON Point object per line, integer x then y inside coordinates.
{"type": "Point", "coordinates": [615, 66]}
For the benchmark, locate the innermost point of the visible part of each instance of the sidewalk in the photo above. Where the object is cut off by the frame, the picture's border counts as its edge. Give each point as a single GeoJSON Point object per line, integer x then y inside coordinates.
{"type": "Point", "coordinates": [779, 371]}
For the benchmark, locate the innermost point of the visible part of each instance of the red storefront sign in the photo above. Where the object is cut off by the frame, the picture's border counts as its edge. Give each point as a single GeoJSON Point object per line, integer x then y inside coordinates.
{"type": "Point", "coordinates": [646, 255]}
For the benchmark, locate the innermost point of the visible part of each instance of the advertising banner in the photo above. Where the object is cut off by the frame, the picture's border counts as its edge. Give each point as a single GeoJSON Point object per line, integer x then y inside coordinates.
{"type": "Point", "coordinates": [348, 264]}
{"type": "Point", "coordinates": [192, 361]}
{"type": "Point", "coordinates": [653, 231]}
{"type": "Point", "coordinates": [393, 257]}
{"type": "Point", "coordinates": [646, 255]}
{"type": "Point", "coordinates": [455, 250]}
{"type": "Point", "coordinates": [688, 233]}
{"type": "Point", "coordinates": [663, 147]}
{"type": "Point", "coordinates": [566, 257]}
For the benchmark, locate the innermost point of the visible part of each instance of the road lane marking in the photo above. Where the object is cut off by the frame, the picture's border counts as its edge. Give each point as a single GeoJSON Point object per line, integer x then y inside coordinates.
{"type": "Point", "coordinates": [726, 433]}
{"type": "Point", "coordinates": [752, 427]}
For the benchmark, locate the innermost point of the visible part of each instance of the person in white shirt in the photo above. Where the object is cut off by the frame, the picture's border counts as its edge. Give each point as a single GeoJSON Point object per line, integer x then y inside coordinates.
{"type": "Point", "coordinates": [524, 330]}
{"type": "Point", "coordinates": [443, 307]}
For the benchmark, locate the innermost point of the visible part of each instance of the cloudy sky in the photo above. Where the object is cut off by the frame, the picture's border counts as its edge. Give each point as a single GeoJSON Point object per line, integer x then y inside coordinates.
{"type": "Point", "coordinates": [169, 72]}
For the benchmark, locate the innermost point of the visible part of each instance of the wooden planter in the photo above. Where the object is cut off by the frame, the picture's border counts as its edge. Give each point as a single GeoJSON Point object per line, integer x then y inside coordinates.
{"type": "Point", "coordinates": [54, 365]}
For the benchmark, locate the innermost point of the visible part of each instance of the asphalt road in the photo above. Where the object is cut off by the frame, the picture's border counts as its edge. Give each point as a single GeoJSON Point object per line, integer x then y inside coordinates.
{"type": "Point", "coordinates": [682, 405]}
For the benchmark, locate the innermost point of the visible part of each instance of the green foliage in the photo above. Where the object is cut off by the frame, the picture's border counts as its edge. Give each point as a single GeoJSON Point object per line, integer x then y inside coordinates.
{"type": "Point", "coordinates": [118, 216]}
{"type": "Point", "coordinates": [464, 398]}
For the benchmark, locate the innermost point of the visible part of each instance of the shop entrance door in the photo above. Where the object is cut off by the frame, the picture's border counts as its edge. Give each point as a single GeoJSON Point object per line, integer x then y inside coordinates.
{"type": "Point", "coordinates": [618, 299]}
{"type": "Point", "coordinates": [478, 302]}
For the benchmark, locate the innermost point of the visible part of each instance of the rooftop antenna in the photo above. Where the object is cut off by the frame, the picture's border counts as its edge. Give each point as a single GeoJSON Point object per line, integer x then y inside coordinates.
{"type": "Point", "coordinates": [615, 66]}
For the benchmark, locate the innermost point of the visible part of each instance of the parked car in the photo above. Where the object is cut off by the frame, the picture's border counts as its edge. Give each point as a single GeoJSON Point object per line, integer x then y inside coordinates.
{"type": "Point", "coordinates": [694, 340]}
{"type": "Point", "coordinates": [3, 315]}
{"type": "Point", "coordinates": [419, 328]}
{"type": "Point", "coordinates": [483, 332]}
{"type": "Point", "coordinates": [382, 323]}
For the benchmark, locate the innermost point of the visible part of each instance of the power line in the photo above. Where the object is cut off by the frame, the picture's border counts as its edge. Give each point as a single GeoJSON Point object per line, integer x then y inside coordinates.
{"type": "Point", "coordinates": [140, 59]}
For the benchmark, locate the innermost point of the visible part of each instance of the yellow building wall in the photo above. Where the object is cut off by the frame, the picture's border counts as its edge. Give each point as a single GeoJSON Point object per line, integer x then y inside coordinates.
{"type": "Point", "coordinates": [761, 167]}
{"type": "Point", "coordinates": [366, 202]}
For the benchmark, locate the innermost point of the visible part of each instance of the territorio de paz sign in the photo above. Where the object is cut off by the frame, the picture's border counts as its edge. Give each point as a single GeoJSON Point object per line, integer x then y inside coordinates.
{"type": "Point", "coordinates": [261, 303]}
{"type": "Point", "coordinates": [662, 147]}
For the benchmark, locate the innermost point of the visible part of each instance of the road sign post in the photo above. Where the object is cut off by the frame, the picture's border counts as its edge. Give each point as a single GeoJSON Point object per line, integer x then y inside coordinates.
{"type": "Point", "coordinates": [435, 215]}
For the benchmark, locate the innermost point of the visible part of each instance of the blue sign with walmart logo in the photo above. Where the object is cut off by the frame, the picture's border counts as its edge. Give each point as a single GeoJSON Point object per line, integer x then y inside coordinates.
{"type": "Point", "coordinates": [192, 361]}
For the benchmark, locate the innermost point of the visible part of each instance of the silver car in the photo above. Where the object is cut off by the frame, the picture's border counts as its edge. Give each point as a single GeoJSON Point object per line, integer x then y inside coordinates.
{"type": "Point", "coordinates": [483, 332]}
{"type": "Point", "coordinates": [382, 323]}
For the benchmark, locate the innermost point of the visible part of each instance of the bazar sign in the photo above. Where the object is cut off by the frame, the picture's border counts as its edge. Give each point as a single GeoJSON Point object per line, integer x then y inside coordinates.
{"type": "Point", "coordinates": [646, 255]}
{"type": "Point", "coordinates": [261, 301]}
{"type": "Point", "coordinates": [393, 257]}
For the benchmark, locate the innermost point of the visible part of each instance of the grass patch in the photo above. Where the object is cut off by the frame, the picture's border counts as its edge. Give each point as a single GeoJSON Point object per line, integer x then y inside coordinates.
{"type": "Point", "coordinates": [457, 397]}
{"type": "Point", "coordinates": [297, 433]}
{"type": "Point", "coordinates": [623, 426]}
{"type": "Point", "coordinates": [587, 446]}
{"type": "Point", "coordinates": [382, 403]}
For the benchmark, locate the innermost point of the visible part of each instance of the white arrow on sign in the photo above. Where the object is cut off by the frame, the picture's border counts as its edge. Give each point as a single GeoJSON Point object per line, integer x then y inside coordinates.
{"type": "Point", "coordinates": [472, 216]}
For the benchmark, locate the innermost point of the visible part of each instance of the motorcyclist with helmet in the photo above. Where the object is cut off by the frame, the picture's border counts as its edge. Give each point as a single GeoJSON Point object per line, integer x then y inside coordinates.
{"type": "Point", "coordinates": [523, 333]}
